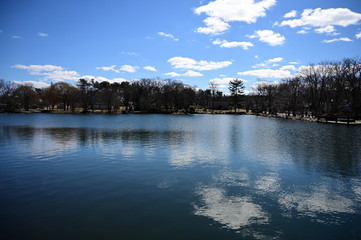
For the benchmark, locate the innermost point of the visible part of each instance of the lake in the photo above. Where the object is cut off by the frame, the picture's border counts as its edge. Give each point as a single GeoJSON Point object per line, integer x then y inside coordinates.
{"type": "Point", "coordinates": [65, 176]}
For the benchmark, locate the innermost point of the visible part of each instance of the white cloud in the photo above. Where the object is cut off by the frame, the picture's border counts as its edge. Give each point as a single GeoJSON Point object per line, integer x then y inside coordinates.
{"type": "Point", "coordinates": [150, 68]}
{"type": "Point", "coordinates": [324, 17]}
{"type": "Point", "coordinates": [330, 30]}
{"type": "Point", "coordinates": [358, 35]}
{"type": "Point", "coordinates": [189, 73]}
{"type": "Point", "coordinates": [294, 63]}
{"type": "Point", "coordinates": [35, 84]}
{"type": "Point", "coordinates": [274, 60]}
{"type": "Point", "coordinates": [226, 44]}
{"type": "Point", "coordinates": [220, 12]}
{"type": "Point", "coordinates": [291, 14]}
{"type": "Point", "coordinates": [270, 37]}
{"type": "Point", "coordinates": [111, 68]}
{"type": "Point", "coordinates": [215, 26]}
{"type": "Point", "coordinates": [60, 76]}
{"type": "Point", "coordinates": [173, 74]}
{"type": "Point", "coordinates": [102, 79]}
{"type": "Point", "coordinates": [40, 34]}
{"type": "Point", "coordinates": [236, 10]}
{"type": "Point", "coordinates": [224, 81]}
{"type": "Point", "coordinates": [189, 63]}
{"type": "Point", "coordinates": [168, 35]}
{"type": "Point", "coordinates": [16, 37]}
{"type": "Point", "coordinates": [37, 69]}
{"type": "Point", "coordinates": [221, 81]}
{"type": "Point", "coordinates": [344, 39]}
{"type": "Point", "coordinates": [51, 72]}
{"type": "Point", "coordinates": [268, 63]}
{"type": "Point", "coordinates": [130, 53]}
{"type": "Point", "coordinates": [289, 67]}
{"type": "Point", "coordinates": [303, 31]}
{"type": "Point", "coordinates": [128, 68]}
{"type": "Point", "coordinates": [251, 36]}
{"type": "Point", "coordinates": [267, 73]}
{"type": "Point", "coordinates": [54, 73]}
{"type": "Point", "coordinates": [263, 83]}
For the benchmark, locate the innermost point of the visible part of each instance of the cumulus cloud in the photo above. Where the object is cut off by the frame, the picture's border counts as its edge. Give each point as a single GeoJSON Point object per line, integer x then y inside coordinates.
{"type": "Point", "coordinates": [103, 79]}
{"type": "Point", "coordinates": [220, 12]}
{"type": "Point", "coordinates": [236, 10]}
{"type": "Point", "coordinates": [289, 67]}
{"type": "Point", "coordinates": [224, 81]}
{"type": "Point", "coordinates": [168, 35]}
{"type": "Point", "coordinates": [191, 73]}
{"type": "Point", "coordinates": [303, 31]}
{"type": "Point", "coordinates": [215, 26]}
{"type": "Point", "coordinates": [269, 36]}
{"type": "Point", "coordinates": [324, 17]}
{"type": "Point", "coordinates": [189, 63]}
{"type": "Point", "coordinates": [268, 63]}
{"type": "Point", "coordinates": [50, 72]}
{"type": "Point", "coordinates": [188, 73]}
{"type": "Point", "coordinates": [267, 73]}
{"type": "Point", "coordinates": [40, 34]}
{"type": "Point", "coordinates": [358, 35]}
{"type": "Point", "coordinates": [291, 14]}
{"type": "Point", "coordinates": [173, 74]}
{"type": "Point", "coordinates": [59, 76]}
{"type": "Point", "coordinates": [111, 68]}
{"type": "Point", "coordinates": [226, 44]}
{"type": "Point", "coordinates": [128, 68]}
{"type": "Point", "coordinates": [274, 60]}
{"type": "Point", "coordinates": [329, 30]}
{"type": "Point", "coordinates": [150, 68]}
{"type": "Point", "coordinates": [344, 39]}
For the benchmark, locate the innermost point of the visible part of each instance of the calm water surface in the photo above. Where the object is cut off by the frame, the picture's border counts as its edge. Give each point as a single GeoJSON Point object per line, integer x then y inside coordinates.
{"type": "Point", "coordinates": [177, 177]}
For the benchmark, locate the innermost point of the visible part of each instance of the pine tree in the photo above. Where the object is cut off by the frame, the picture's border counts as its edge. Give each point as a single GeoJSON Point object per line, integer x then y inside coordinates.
{"type": "Point", "coordinates": [236, 88]}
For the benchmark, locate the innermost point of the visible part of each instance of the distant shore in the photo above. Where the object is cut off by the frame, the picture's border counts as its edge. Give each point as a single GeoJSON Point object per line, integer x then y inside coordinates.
{"type": "Point", "coordinates": [183, 112]}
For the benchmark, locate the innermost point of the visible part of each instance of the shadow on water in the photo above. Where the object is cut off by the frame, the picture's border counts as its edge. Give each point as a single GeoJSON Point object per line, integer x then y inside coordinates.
{"type": "Point", "coordinates": [330, 148]}
{"type": "Point", "coordinates": [86, 136]}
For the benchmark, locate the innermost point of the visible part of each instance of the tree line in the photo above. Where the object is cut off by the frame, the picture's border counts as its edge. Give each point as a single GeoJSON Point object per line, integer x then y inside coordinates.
{"type": "Point", "coordinates": [325, 88]}
{"type": "Point", "coordinates": [150, 95]}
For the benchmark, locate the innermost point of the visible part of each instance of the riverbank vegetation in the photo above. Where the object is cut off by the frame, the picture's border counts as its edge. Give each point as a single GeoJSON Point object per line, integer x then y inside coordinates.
{"type": "Point", "coordinates": [326, 88]}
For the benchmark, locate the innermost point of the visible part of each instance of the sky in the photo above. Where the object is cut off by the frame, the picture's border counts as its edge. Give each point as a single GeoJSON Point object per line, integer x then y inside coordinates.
{"type": "Point", "coordinates": [195, 41]}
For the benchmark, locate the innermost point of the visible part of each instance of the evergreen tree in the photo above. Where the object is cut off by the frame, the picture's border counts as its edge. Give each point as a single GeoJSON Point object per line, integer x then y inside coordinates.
{"type": "Point", "coordinates": [236, 88]}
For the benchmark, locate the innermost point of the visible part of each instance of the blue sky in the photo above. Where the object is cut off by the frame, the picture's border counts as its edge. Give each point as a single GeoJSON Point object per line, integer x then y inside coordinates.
{"type": "Point", "coordinates": [195, 41]}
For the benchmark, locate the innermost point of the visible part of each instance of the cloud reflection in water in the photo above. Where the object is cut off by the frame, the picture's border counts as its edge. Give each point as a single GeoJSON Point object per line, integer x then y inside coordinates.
{"type": "Point", "coordinates": [233, 212]}
{"type": "Point", "coordinates": [317, 202]}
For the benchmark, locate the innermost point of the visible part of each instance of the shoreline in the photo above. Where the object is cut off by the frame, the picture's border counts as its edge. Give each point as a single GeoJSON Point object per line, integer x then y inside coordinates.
{"type": "Point", "coordinates": [210, 112]}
